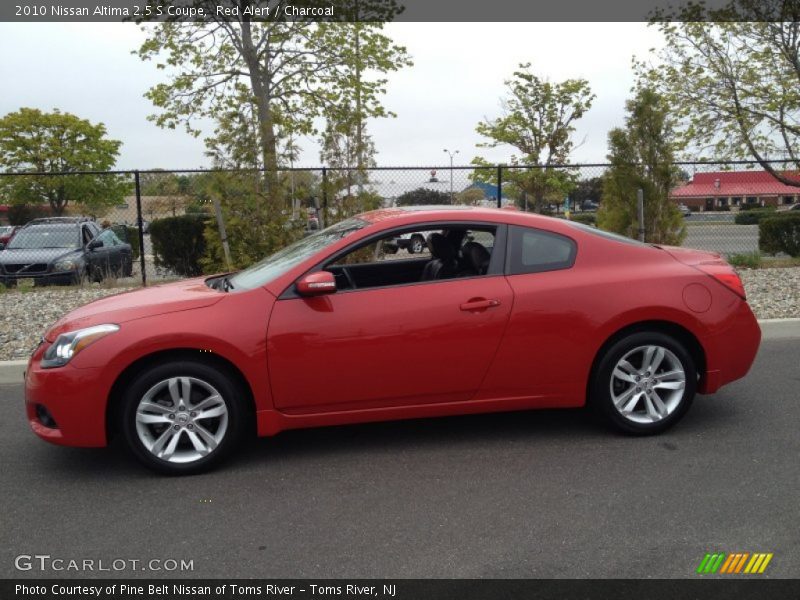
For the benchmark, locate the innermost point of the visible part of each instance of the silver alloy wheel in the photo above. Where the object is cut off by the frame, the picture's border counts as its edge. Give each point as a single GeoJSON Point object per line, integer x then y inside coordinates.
{"type": "Point", "coordinates": [181, 419]}
{"type": "Point", "coordinates": [417, 245]}
{"type": "Point", "coordinates": [647, 384]}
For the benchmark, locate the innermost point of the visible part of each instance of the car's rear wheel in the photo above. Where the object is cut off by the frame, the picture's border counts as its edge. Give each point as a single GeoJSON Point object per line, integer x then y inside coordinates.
{"type": "Point", "coordinates": [644, 383]}
{"type": "Point", "coordinates": [182, 417]}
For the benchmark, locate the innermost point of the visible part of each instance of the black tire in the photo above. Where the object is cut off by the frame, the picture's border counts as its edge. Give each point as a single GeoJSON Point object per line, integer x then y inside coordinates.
{"type": "Point", "coordinates": [417, 245]}
{"type": "Point", "coordinates": [229, 391]}
{"type": "Point", "coordinates": [604, 382]}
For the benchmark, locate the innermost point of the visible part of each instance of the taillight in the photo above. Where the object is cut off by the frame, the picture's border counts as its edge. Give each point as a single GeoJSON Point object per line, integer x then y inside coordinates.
{"type": "Point", "coordinates": [724, 273]}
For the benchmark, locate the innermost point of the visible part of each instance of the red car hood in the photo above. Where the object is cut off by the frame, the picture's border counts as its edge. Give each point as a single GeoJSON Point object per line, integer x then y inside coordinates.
{"type": "Point", "coordinates": [147, 302]}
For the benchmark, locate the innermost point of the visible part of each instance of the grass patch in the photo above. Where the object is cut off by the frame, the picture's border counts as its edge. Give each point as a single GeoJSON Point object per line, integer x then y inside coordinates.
{"type": "Point", "coordinates": [750, 260]}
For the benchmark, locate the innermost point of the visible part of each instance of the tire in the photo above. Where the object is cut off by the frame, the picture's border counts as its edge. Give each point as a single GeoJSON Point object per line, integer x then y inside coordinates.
{"type": "Point", "coordinates": [648, 403]}
{"type": "Point", "coordinates": [151, 420]}
{"type": "Point", "coordinates": [417, 245]}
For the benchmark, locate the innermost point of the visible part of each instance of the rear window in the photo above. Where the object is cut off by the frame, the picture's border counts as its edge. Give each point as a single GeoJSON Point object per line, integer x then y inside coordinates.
{"type": "Point", "coordinates": [536, 251]}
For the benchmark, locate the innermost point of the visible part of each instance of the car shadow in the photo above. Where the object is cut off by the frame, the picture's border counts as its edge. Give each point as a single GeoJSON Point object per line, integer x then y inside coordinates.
{"type": "Point", "coordinates": [541, 428]}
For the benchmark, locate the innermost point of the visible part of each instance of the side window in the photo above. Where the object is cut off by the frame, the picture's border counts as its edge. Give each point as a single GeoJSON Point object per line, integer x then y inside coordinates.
{"type": "Point", "coordinates": [535, 251]}
{"type": "Point", "coordinates": [417, 256]}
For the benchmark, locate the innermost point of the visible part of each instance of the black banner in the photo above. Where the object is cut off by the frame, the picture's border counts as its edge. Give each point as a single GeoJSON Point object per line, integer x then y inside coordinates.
{"type": "Point", "coordinates": [374, 10]}
{"type": "Point", "coordinates": [400, 589]}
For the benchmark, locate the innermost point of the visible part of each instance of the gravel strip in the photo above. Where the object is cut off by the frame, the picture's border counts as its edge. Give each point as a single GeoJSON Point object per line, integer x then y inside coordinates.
{"type": "Point", "coordinates": [24, 316]}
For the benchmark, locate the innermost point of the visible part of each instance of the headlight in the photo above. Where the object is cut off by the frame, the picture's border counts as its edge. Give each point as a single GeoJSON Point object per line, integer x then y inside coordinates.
{"type": "Point", "coordinates": [67, 345]}
{"type": "Point", "coordinates": [65, 265]}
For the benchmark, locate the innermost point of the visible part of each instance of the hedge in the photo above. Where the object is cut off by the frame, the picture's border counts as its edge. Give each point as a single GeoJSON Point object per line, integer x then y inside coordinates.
{"type": "Point", "coordinates": [753, 216]}
{"type": "Point", "coordinates": [179, 243]}
{"type": "Point", "coordinates": [780, 234]}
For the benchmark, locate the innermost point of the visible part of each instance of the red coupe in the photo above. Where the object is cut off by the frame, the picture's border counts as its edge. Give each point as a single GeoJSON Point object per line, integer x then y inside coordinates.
{"type": "Point", "coordinates": [505, 311]}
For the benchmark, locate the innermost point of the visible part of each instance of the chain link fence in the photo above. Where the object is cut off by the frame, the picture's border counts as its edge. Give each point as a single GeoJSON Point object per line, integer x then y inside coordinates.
{"type": "Point", "coordinates": [143, 227]}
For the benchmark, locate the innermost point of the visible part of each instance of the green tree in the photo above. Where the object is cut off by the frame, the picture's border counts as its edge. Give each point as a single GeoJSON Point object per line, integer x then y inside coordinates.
{"type": "Point", "coordinates": [538, 121]}
{"type": "Point", "coordinates": [422, 196]}
{"type": "Point", "coordinates": [641, 157]}
{"type": "Point", "coordinates": [258, 80]}
{"type": "Point", "coordinates": [731, 78]}
{"type": "Point", "coordinates": [56, 142]}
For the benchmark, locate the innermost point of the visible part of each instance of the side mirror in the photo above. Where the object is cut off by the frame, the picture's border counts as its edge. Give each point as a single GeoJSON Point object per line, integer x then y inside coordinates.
{"type": "Point", "coordinates": [316, 284]}
{"type": "Point", "coordinates": [95, 244]}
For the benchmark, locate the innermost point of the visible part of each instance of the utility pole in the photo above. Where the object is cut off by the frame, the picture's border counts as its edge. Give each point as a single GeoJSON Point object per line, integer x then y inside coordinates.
{"type": "Point", "coordinates": [451, 155]}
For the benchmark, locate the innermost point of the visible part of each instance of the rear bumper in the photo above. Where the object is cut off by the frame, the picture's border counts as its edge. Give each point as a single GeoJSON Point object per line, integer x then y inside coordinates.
{"type": "Point", "coordinates": [73, 399]}
{"type": "Point", "coordinates": [730, 349]}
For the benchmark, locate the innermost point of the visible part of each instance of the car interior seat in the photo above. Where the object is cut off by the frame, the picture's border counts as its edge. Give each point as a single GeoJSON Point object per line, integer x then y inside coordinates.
{"type": "Point", "coordinates": [443, 263]}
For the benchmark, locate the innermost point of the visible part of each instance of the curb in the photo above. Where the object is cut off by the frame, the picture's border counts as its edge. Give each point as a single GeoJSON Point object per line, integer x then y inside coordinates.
{"type": "Point", "coordinates": [12, 371]}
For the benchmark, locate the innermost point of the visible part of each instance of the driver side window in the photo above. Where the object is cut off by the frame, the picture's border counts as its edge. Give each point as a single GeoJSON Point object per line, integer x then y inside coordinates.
{"type": "Point", "coordinates": [416, 256]}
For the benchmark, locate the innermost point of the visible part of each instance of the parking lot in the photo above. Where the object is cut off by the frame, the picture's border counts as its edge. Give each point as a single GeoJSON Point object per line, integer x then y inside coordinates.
{"type": "Point", "coordinates": [720, 236]}
{"type": "Point", "coordinates": [539, 494]}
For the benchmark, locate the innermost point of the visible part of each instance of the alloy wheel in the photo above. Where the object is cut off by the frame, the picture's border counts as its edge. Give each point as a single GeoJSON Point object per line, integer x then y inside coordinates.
{"type": "Point", "coordinates": [647, 384]}
{"type": "Point", "coordinates": [181, 419]}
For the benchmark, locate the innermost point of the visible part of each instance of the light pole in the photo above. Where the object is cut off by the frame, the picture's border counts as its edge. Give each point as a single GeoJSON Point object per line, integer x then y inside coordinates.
{"type": "Point", "coordinates": [451, 155]}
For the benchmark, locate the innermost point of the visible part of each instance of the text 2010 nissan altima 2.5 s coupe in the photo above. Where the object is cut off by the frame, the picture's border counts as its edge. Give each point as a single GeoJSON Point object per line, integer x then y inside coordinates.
{"type": "Point", "coordinates": [505, 311]}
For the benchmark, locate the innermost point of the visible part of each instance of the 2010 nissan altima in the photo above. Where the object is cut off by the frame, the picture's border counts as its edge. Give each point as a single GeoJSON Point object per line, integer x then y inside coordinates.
{"type": "Point", "coordinates": [505, 311]}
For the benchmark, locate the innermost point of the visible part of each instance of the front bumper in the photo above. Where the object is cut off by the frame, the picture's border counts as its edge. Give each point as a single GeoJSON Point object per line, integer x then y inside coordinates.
{"type": "Point", "coordinates": [73, 399]}
{"type": "Point", "coordinates": [60, 278]}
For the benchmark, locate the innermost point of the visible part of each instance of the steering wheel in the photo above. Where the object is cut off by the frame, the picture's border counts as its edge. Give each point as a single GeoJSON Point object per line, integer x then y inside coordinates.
{"type": "Point", "coordinates": [350, 281]}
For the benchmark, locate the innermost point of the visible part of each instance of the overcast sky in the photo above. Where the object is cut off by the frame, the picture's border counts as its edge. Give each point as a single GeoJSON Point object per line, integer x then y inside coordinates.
{"type": "Point", "coordinates": [457, 80]}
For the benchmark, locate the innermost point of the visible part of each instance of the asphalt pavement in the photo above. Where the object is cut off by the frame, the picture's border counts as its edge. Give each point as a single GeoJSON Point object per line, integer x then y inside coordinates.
{"type": "Point", "coordinates": [538, 494]}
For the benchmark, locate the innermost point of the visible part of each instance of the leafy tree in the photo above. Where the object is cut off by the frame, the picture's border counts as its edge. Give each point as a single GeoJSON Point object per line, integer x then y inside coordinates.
{"type": "Point", "coordinates": [257, 79]}
{"type": "Point", "coordinates": [31, 140]}
{"type": "Point", "coordinates": [587, 189]}
{"type": "Point", "coordinates": [471, 196]}
{"type": "Point", "coordinates": [538, 121]}
{"type": "Point", "coordinates": [422, 196]}
{"type": "Point", "coordinates": [641, 157]}
{"type": "Point", "coordinates": [731, 77]}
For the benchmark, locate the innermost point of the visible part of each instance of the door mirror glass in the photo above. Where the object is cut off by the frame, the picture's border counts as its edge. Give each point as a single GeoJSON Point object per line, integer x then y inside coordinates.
{"type": "Point", "coordinates": [316, 284]}
{"type": "Point", "coordinates": [95, 244]}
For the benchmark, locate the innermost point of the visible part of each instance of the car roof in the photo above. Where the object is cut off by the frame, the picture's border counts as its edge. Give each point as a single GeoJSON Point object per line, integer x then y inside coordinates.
{"type": "Point", "coordinates": [413, 214]}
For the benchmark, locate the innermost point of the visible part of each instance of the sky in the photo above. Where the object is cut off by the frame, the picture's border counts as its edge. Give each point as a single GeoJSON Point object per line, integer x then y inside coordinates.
{"type": "Point", "coordinates": [88, 69]}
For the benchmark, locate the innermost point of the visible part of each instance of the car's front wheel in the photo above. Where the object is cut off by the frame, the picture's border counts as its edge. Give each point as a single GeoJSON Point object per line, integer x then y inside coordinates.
{"type": "Point", "coordinates": [644, 383]}
{"type": "Point", "coordinates": [182, 417]}
{"type": "Point", "coordinates": [417, 245]}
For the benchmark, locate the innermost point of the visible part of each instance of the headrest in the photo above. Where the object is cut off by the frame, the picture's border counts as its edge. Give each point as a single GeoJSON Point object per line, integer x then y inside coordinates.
{"type": "Point", "coordinates": [440, 248]}
{"type": "Point", "coordinates": [477, 255]}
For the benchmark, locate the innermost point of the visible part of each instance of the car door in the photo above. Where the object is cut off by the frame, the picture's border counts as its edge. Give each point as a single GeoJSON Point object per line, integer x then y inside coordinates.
{"type": "Point", "coordinates": [409, 344]}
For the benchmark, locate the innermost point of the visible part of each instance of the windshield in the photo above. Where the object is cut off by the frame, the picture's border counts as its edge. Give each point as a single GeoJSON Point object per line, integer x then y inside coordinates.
{"type": "Point", "coordinates": [44, 237]}
{"type": "Point", "coordinates": [279, 263]}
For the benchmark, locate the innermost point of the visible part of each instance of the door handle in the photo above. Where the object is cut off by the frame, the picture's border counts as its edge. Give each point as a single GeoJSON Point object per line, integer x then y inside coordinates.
{"type": "Point", "coordinates": [479, 304]}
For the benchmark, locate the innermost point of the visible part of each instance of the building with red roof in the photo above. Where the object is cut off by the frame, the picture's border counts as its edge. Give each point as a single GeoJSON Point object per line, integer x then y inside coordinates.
{"type": "Point", "coordinates": [726, 190]}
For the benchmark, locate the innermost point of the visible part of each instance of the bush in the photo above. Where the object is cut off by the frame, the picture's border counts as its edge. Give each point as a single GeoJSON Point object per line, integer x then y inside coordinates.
{"type": "Point", "coordinates": [751, 260]}
{"type": "Point", "coordinates": [586, 219]}
{"type": "Point", "coordinates": [780, 234]}
{"type": "Point", "coordinates": [755, 207]}
{"type": "Point", "coordinates": [753, 216]}
{"type": "Point", "coordinates": [179, 243]}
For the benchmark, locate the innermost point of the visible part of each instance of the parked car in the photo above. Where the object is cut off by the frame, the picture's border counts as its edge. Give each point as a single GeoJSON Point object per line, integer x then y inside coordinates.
{"type": "Point", "coordinates": [684, 210]}
{"type": "Point", "coordinates": [413, 243]}
{"type": "Point", "coordinates": [7, 232]}
{"type": "Point", "coordinates": [589, 205]}
{"type": "Point", "coordinates": [64, 250]}
{"type": "Point", "coordinates": [535, 312]}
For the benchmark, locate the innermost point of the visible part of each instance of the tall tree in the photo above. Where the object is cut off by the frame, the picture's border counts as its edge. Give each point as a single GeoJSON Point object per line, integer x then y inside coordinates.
{"type": "Point", "coordinates": [641, 157]}
{"type": "Point", "coordinates": [731, 77]}
{"type": "Point", "coordinates": [56, 142]}
{"type": "Point", "coordinates": [273, 68]}
{"type": "Point", "coordinates": [538, 121]}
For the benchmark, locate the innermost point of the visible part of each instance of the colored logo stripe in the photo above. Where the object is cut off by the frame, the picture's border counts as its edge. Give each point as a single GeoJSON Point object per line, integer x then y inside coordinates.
{"type": "Point", "coordinates": [734, 563]}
